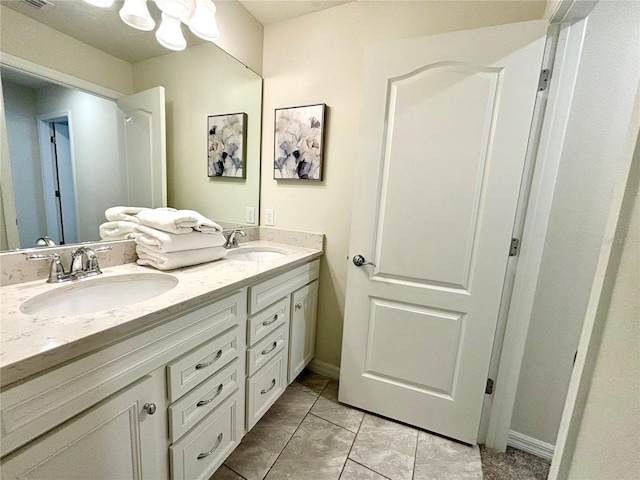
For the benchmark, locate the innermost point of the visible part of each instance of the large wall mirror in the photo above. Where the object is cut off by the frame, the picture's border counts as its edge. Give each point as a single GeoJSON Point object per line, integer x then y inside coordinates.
{"type": "Point", "coordinates": [198, 82]}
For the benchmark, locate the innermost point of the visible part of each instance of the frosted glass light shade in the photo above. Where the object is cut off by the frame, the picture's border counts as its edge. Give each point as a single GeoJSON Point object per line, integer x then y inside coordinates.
{"type": "Point", "coordinates": [136, 14]}
{"type": "Point", "coordinates": [175, 8]}
{"type": "Point", "coordinates": [169, 34]}
{"type": "Point", "coordinates": [203, 21]}
{"type": "Point", "coordinates": [100, 3]}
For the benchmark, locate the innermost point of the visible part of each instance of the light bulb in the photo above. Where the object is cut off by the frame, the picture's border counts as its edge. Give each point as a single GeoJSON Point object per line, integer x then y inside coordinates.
{"type": "Point", "coordinates": [203, 21]}
{"type": "Point", "coordinates": [169, 34]}
{"type": "Point", "coordinates": [136, 14]}
{"type": "Point", "coordinates": [176, 8]}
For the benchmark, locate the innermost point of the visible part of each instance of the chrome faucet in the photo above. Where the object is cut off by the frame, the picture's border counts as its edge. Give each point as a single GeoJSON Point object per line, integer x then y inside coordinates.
{"type": "Point", "coordinates": [232, 238]}
{"type": "Point", "coordinates": [84, 262]}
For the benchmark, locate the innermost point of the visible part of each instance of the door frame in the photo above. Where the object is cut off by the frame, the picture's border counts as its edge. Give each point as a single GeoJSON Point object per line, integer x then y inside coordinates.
{"type": "Point", "coordinates": [569, 20]}
{"type": "Point", "coordinates": [46, 161]}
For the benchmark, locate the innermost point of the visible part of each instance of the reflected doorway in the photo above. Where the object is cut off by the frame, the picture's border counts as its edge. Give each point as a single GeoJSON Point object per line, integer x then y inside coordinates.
{"type": "Point", "coordinates": [58, 179]}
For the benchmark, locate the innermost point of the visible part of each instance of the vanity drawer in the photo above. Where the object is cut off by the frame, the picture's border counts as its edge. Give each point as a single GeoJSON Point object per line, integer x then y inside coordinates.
{"type": "Point", "coordinates": [265, 387]}
{"type": "Point", "coordinates": [267, 348]}
{"type": "Point", "coordinates": [267, 320]}
{"type": "Point", "coordinates": [199, 453]}
{"type": "Point", "coordinates": [272, 290]}
{"type": "Point", "coordinates": [202, 362]}
{"type": "Point", "coordinates": [195, 405]}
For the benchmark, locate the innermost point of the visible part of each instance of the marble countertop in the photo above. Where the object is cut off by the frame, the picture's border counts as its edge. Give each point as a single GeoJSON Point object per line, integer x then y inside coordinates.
{"type": "Point", "coordinates": [32, 343]}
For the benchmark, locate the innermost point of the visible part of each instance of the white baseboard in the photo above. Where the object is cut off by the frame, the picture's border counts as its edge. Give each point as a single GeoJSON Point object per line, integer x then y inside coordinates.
{"type": "Point", "coordinates": [530, 445]}
{"type": "Point", "coordinates": [324, 368]}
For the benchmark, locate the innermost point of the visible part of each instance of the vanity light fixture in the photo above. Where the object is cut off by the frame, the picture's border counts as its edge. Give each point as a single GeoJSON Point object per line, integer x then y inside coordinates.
{"type": "Point", "coordinates": [198, 15]}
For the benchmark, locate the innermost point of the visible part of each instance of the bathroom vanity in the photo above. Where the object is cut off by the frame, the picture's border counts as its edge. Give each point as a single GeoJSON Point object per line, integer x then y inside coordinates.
{"type": "Point", "coordinates": [163, 388]}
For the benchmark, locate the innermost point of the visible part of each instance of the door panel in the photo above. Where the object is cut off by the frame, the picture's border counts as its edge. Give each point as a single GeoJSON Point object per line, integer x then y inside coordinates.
{"type": "Point", "coordinates": [145, 147]}
{"type": "Point", "coordinates": [444, 131]}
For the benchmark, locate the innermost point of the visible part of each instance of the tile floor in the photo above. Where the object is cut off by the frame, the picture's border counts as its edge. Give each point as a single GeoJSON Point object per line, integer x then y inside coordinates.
{"type": "Point", "coordinates": [307, 434]}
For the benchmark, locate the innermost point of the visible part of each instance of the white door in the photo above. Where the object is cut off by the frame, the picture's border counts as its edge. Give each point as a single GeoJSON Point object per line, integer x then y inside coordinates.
{"type": "Point", "coordinates": [145, 147]}
{"type": "Point", "coordinates": [444, 129]}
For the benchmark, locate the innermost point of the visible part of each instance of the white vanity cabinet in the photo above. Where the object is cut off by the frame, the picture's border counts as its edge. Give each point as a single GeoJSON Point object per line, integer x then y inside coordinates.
{"type": "Point", "coordinates": [120, 437]}
{"type": "Point", "coordinates": [285, 305]}
{"type": "Point", "coordinates": [171, 400]}
{"type": "Point", "coordinates": [302, 336]}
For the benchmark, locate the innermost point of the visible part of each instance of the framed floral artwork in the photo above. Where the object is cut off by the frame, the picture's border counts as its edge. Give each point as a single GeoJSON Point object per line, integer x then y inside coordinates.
{"type": "Point", "coordinates": [299, 142]}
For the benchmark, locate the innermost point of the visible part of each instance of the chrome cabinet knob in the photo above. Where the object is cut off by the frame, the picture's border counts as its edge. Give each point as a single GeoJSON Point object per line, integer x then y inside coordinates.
{"type": "Point", "coordinates": [150, 408]}
{"type": "Point", "coordinates": [359, 260]}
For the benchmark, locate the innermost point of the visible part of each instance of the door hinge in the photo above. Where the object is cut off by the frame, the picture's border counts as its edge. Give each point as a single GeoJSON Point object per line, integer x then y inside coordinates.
{"type": "Point", "coordinates": [57, 193]}
{"type": "Point", "coordinates": [513, 248]}
{"type": "Point", "coordinates": [489, 388]}
{"type": "Point", "coordinates": [543, 81]}
{"type": "Point", "coordinates": [53, 139]}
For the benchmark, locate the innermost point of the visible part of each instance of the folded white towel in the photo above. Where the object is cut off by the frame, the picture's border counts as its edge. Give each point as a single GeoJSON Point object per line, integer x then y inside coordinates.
{"type": "Point", "coordinates": [163, 242]}
{"type": "Point", "coordinates": [177, 221]}
{"type": "Point", "coordinates": [170, 261]}
{"type": "Point", "coordinates": [117, 230]}
{"type": "Point", "coordinates": [123, 213]}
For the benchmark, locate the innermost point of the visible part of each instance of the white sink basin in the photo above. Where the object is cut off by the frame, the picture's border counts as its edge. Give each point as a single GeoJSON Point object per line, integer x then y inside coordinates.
{"type": "Point", "coordinates": [255, 254]}
{"type": "Point", "coordinates": [100, 293]}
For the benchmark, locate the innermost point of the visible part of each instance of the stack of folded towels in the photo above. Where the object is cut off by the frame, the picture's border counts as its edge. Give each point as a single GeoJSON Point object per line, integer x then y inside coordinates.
{"type": "Point", "coordinates": [120, 223]}
{"type": "Point", "coordinates": [167, 238]}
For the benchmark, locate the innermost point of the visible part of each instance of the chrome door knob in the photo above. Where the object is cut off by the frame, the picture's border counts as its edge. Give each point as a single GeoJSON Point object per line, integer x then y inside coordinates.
{"type": "Point", "coordinates": [150, 408]}
{"type": "Point", "coordinates": [359, 261]}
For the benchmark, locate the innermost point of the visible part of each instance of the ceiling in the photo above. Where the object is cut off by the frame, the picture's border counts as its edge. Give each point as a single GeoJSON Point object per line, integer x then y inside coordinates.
{"type": "Point", "coordinates": [103, 29]}
{"type": "Point", "coordinates": [274, 11]}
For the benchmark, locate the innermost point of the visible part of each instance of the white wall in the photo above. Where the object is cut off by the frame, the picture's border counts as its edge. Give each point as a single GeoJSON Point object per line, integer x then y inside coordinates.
{"type": "Point", "coordinates": [30, 40]}
{"type": "Point", "coordinates": [20, 110]}
{"type": "Point", "coordinates": [202, 81]}
{"type": "Point", "coordinates": [318, 59]}
{"type": "Point", "coordinates": [241, 35]}
{"type": "Point", "coordinates": [94, 141]}
{"type": "Point", "coordinates": [608, 440]}
{"type": "Point", "coordinates": [591, 163]}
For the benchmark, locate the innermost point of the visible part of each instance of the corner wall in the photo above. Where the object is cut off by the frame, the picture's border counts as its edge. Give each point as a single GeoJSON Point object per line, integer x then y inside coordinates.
{"type": "Point", "coordinates": [592, 160]}
{"type": "Point", "coordinates": [318, 59]}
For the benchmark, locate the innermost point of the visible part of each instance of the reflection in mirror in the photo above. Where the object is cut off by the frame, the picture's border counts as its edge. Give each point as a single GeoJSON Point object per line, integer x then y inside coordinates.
{"type": "Point", "coordinates": [74, 154]}
{"type": "Point", "coordinates": [199, 82]}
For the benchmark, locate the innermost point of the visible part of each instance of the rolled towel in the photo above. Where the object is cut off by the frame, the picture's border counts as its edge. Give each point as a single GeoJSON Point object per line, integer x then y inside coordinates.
{"type": "Point", "coordinates": [117, 230]}
{"type": "Point", "coordinates": [123, 213]}
{"type": "Point", "coordinates": [163, 242]}
{"type": "Point", "coordinates": [177, 221]}
{"type": "Point", "coordinates": [186, 258]}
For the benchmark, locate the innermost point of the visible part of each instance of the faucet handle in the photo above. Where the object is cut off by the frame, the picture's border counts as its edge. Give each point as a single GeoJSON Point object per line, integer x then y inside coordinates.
{"type": "Point", "coordinates": [56, 270]}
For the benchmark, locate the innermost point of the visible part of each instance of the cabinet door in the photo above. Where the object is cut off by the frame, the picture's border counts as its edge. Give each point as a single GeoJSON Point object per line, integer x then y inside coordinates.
{"type": "Point", "coordinates": [116, 438]}
{"type": "Point", "coordinates": [302, 337]}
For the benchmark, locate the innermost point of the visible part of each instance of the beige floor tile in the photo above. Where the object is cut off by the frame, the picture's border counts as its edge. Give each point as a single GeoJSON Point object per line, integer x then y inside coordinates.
{"type": "Point", "coordinates": [317, 451]}
{"type": "Point", "coordinates": [385, 447]}
{"type": "Point", "coordinates": [310, 382]}
{"type": "Point", "coordinates": [260, 447]}
{"type": "Point", "coordinates": [355, 471]}
{"type": "Point", "coordinates": [440, 459]}
{"type": "Point", "coordinates": [224, 473]}
{"type": "Point", "coordinates": [328, 408]}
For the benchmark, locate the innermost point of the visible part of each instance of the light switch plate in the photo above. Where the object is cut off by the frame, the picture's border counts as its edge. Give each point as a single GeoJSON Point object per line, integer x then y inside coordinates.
{"type": "Point", "coordinates": [268, 217]}
{"type": "Point", "coordinates": [250, 215]}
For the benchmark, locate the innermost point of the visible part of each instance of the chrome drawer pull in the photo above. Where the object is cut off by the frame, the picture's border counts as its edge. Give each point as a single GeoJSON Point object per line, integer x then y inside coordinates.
{"type": "Point", "coordinates": [204, 402]}
{"type": "Point", "coordinates": [267, 390]}
{"type": "Point", "coordinates": [269, 350]}
{"type": "Point", "coordinates": [269, 322]}
{"type": "Point", "coordinates": [202, 365]}
{"type": "Point", "coordinates": [218, 442]}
